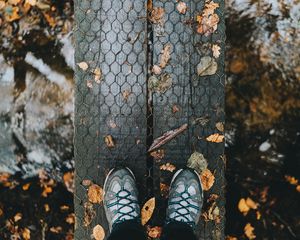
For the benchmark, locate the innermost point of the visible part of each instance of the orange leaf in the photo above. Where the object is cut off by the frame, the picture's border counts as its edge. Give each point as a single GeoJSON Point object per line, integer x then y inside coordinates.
{"type": "Point", "coordinates": [249, 231]}
{"type": "Point", "coordinates": [207, 179]}
{"type": "Point", "coordinates": [147, 210]}
{"type": "Point", "coordinates": [154, 232]}
{"type": "Point", "coordinates": [26, 234]}
{"type": "Point", "coordinates": [167, 167]}
{"type": "Point", "coordinates": [95, 194]}
{"type": "Point", "coordinates": [26, 186]}
{"type": "Point", "coordinates": [216, 138]}
{"type": "Point", "coordinates": [98, 232]}
{"type": "Point", "coordinates": [109, 141]}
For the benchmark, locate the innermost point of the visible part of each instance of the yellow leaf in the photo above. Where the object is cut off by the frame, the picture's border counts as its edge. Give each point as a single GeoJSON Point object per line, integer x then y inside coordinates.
{"type": "Point", "coordinates": [216, 138]}
{"type": "Point", "coordinates": [207, 179]}
{"type": "Point", "coordinates": [46, 207]}
{"type": "Point", "coordinates": [251, 203]}
{"type": "Point", "coordinates": [98, 232]}
{"type": "Point", "coordinates": [83, 65]}
{"type": "Point", "coordinates": [26, 186]}
{"type": "Point", "coordinates": [243, 207]}
{"type": "Point", "coordinates": [291, 180]}
{"type": "Point", "coordinates": [147, 210]}
{"type": "Point", "coordinates": [18, 217]}
{"type": "Point", "coordinates": [167, 167]}
{"type": "Point", "coordinates": [249, 231]}
{"type": "Point", "coordinates": [109, 141]}
{"type": "Point", "coordinates": [26, 234]}
{"type": "Point", "coordinates": [95, 194]}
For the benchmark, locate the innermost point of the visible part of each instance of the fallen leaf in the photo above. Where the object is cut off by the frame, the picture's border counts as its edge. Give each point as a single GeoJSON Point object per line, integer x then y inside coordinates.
{"type": "Point", "coordinates": [237, 66]}
{"type": "Point", "coordinates": [156, 69]}
{"type": "Point", "coordinates": [89, 214]}
{"type": "Point", "coordinates": [147, 211]}
{"type": "Point", "coordinates": [26, 234]}
{"type": "Point", "coordinates": [258, 215]}
{"type": "Point", "coordinates": [26, 186]}
{"type": "Point", "coordinates": [1, 212]}
{"type": "Point", "coordinates": [230, 238]}
{"type": "Point", "coordinates": [212, 214]}
{"type": "Point", "coordinates": [126, 93]}
{"type": "Point", "coordinates": [157, 14]}
{"type": "Point", "coordinates": [165, 56]}
{"type": "Point", "coordinates": [69, 181]}
{"type": "Point", "coordinates": [207, 179]}
{"type": "Point", "coordinates": [220, 126]}
{"type": "Point", "coordinates": [198, 162]}
{"type": "Point", "coordinates": [159, 154]}
{"type": "Point", "coordinates": [216, 50]}
{"type": "Point", "coordinates": [207, 66]}
{"type": "Point", "coordinates": [109, 141]}
{"type": "Point", "coordinates": [216, 138]}
{"type": "Point", "coordinates": [249, 231]}
{"type": "Point", "coordinates": [31, 2]}
{"type": "Point", "coordinates": [298, 188]}
{"type": "Point", "coordinates": [64, 208]}
{"type": "Point", "coordinates": [208, 20]}
{"type": "Point", "coordinates": [50, 20]}
{"type": "Point", "coordinates": [95, 193]}
{"type": "Point", "coordinates": [181, 7]}
{"type": "Point", "coordinates": [86, 182]}
{"type": "Point", "coordinates": [175, 109]}
{"type": "Point", "coordinates": [17, 217]}
{"type": "Point", "coordinates": [168, 167]}
{"type": "Point", "coordinates": [166, 137]}
{"type": "Point", "coordinates": [201, 120]}
{"type": "Point", "coordinates": [83, 66]}
{"type": "Point", "coordinates": [89, 83]}
{"type": "Point", "coordinates": [112, 124]}
{"type": "Point", "coordinates": [243, 207]}
{"type": "Point", "coordinates": [164, 190]}
{"type": "Point", "coordinates": [70, 218]}
{"type": "Point", "coordinates": [291, 180]}
{"type": "Point", "coordinates": [154, 232]}
{"type": "Point", "coordinates": [98, 232]}
{"type": "Point", "coordinates": [14, 2]}
{"type": "Point", "coordinates": [42, 5]}
{"type": "Point", "coordinates": [251, 203]}
{"type": "Point", "coordinates": [46, 207]}
{"type": "Point", "coordinates": [12, 13]}
{"type": "Point", "coordinates": [98, 75]}
{"type": "Point", "coordinates": [46, 191]}
{"type": "Point", "coordinates": [57, 229]}
{"type": "Point", "coordinates": [2, 4]}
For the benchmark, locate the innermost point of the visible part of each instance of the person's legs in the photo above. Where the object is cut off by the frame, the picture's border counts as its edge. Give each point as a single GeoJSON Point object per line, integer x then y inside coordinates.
{"type": "Point", "coordinates": [121, 206]}
{"type": "Point", "coordinates": [184, 206]}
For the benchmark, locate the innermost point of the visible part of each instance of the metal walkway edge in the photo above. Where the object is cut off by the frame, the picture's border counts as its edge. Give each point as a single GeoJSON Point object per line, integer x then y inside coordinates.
{"type": "Point", "coordinates": [118, 43]}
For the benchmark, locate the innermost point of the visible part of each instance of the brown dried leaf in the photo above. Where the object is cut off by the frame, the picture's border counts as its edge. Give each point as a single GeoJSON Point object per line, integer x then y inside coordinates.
{"type": "Point", "coordinates": [83, 66]}
{"type": "Point", "coordinates": [98, 232]}
{"type": "Point", "coordinates": [1, 212]}
{"type": "Point", "coordinates": [168, 167]}
{"type": "Point", "coordinates": [220, 126]}
{"type": "Point", "coordinates": [147, 211]}
{"type": "Point", "coordinates": [216, 138]}
{"type": "Point", "coordinates": [26, 234]}
{"type": "Point", "coordinates": [156, 69]}
{"type": "Point", "coordinates": [126, 93]}
{"type": "Point", "coordinates": [12, 14]}
{"type": "Point", "coordinates": [70, 218]}
{"type": "Point", "coordinates": [207, 66]}
{"type": "Point", "coordinates": [2, 4]}
{"type": "Point", "coordinates": [181, 7]}
{"type": "Point", "coordinates": [249, 231]}
{"type": "Point", "coordinates": [298, 188]}
{"type": "Point", "coordinates": [154, 232]}
{"type": "Point", "coordinates": [57, 229]}
{"type": "Point", "coordinates": [159, 154]}
{"type": "Point", "coordinates": [165, 56]}
{"type": "Point", "coordinates": [109, 141]}
{"type": "Point", "coordinates": [207, 179]}
{"type": "Point", "coordinates": [175, 109]}
{"type": "Point", "coordinates": [17, 217]}
{"type": "Point", "coordinates": [69, 181]}
{"type": "Point", "coordinates": [157, 14]}
{"type": "Point", "coordinates": [216, 50]}
{"type": "Point", "coordinates": [112, 124]}
{"type": "Point", "coordinates": [86, 182]}
{"type": "Point", "coordinates": [208, 20]}
{"type": "Point", "coordinates": [89, 214]}
{"type": "Point", "coordinates": [212, 214]}
{"type": "Point", "coordinates": [95, 194]}
{"type": "Point", "coordinates": [164, 190]}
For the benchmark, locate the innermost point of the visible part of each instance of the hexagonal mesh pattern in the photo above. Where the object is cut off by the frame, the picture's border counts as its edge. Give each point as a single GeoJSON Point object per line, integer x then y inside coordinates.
{"type": "Point", "coordinates": [120, 39]}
